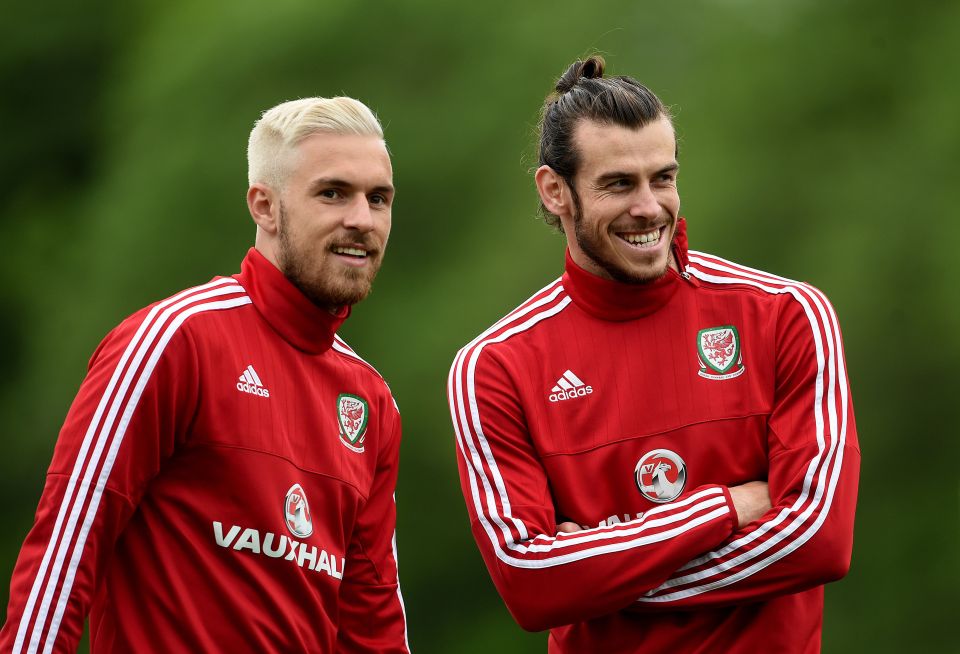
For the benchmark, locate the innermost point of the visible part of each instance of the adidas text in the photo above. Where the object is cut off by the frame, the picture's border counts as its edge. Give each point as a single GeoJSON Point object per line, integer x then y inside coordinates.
{"type": "Point", "coordinates": [253, 390]}
{"type": "Point", "coordinates": [571, 394]}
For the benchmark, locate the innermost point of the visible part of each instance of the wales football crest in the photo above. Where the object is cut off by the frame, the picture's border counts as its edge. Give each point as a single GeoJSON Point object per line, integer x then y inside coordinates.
{"type": "Point", "coordinates": [352, 416]}
{"type": "Point", "coordinates": [719, 351]}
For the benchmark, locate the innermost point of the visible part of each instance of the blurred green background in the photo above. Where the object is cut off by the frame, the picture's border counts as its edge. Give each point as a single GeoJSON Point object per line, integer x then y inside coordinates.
{"type": "Point", "coordinates": [819, 140]}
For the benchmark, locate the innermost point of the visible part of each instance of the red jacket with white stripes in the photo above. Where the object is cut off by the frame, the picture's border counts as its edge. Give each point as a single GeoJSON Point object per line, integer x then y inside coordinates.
{"type": "Point", "coordinates": [630, 409]}
{"type": "Point", "coordinates": [223, 483]}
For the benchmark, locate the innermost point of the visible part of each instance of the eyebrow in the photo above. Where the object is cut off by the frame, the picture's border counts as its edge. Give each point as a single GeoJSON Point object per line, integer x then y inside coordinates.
{"type": "Point", "coordinates": [342, 183]}
{"type": "Point", "coordinates": [619, 174]}
{"type": "Point", "coordinates": [675, 166]}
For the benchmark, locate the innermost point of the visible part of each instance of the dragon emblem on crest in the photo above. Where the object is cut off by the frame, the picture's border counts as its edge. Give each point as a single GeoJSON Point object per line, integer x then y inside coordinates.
{"type": "Point", "coordinates": [719, 353]}
{"type": "Point", "coordinates": [352, 416]}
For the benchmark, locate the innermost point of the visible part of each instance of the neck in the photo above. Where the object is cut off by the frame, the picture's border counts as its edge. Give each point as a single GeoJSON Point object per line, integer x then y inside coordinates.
{"type": "Point", "coordinates": [292, 314]}
{"type": "Point", "coordinates": [609, 299]}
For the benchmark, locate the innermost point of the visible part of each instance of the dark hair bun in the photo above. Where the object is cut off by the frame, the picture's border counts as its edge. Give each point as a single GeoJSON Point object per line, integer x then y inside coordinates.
{"type": "Point", "coordinates": [590, 69]}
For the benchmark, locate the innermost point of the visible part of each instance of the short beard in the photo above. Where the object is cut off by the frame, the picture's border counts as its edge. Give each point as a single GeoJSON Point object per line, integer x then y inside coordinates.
{"type": "Point", "coordinates": [586, 245]}
{"type": "Point", "coordinates": [326, 293]}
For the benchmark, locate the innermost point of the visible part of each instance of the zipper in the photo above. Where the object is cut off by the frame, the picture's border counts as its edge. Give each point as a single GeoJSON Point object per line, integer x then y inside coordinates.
{"type": "Point", "coordinates": [690, 279]}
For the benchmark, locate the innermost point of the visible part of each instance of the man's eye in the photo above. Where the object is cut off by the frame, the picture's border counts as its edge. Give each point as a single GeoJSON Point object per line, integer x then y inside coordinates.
{"type": "Point", "coordinates": [330, 193]}
{"type": "Point", "coordinates": [378, 199]}
{"type": "Point", "coordinates": [619, 183]}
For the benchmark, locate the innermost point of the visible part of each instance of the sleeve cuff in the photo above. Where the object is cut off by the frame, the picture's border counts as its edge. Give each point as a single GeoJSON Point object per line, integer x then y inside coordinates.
{"type": "Point", "coordinates": [734, 516]}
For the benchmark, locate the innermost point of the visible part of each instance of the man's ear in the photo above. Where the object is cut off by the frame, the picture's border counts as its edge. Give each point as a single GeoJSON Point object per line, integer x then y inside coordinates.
{"type": "Point", "coordinates": [264, 205]}
{"type": "Point", "coordinates": [553, 191]}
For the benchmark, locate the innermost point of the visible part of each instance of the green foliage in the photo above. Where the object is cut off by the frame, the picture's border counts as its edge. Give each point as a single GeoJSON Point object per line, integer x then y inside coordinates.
{"type": "Point", "coordinates": [819, 140]}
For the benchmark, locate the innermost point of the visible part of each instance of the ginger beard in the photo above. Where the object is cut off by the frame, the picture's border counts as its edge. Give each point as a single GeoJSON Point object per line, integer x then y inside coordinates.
{"type": "Point", "coordinates": [318, 275]}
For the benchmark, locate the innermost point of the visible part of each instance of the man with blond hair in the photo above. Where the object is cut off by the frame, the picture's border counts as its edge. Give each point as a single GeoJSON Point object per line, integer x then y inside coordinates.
{"type": "Point", "coordinates": [224, 478]}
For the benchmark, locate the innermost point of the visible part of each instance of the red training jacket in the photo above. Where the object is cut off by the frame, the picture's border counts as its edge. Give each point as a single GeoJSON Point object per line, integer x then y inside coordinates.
{"type": "Point", "coordinates": [223, 483]}
{"type": "Point", "coordinates": [631, 409]}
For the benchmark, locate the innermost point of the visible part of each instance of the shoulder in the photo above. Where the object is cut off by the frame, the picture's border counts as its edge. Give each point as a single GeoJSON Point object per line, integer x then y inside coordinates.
{"type": "Point", "coordinates": [527, 320]}
{"type": "Point", "coordinates": [719, 273]}
{"type": "Point", "coordinates": [221, 293]}
{"type": "Point", "coordinates": [153, 327]}
{"type": "Point", "coordinates": [797, 303]}
{"type": "Point", "coordinates": [372, 379]}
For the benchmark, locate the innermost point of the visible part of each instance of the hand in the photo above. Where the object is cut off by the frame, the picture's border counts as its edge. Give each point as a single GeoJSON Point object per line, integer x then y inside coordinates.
{"type": "Point", "coordinates": [751, 500]}
{"type": "Point", "coordinates": [568, 527]}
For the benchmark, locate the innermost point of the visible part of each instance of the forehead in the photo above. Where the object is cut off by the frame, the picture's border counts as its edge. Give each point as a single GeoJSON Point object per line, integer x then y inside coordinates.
{"type": "Point", "coordinates": [359, 159]}
{"type": "Point", "coordinates": [604, 148]}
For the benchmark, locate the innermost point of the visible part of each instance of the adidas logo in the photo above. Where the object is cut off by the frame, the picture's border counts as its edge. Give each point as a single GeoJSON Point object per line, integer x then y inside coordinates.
{"type": "Point", "coordinates": [569, 387]}
{"type": "Point", "coordinates": [250, 383]}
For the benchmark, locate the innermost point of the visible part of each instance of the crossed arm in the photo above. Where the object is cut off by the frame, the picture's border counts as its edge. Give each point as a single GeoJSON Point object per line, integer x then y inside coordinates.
{"type": "Point", "coordinates": [750, 500]}
{"type": "Point", "coordinates": [712, 546]}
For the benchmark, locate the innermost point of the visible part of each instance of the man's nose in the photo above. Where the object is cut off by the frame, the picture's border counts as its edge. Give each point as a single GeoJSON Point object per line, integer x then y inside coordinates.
{"type": "Point", "coordinates": [645, 204]}
{"type": "Point", "coordinates": [358, 215]}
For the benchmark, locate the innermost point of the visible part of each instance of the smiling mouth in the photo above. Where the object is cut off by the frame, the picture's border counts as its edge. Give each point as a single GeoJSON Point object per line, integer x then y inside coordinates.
{"type": "Point", "coordinates": [642, 240]}
{"type": "Point", "coordinates": [350, 251]}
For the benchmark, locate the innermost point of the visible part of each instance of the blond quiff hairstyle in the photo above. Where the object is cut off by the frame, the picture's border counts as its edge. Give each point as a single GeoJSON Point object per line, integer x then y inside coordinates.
{"type": "Point", "coordinates": [284, 126]}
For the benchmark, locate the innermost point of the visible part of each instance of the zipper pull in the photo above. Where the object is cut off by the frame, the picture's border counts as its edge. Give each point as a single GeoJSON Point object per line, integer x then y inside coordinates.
{"type": "Point", "coordinates": [690, 279]}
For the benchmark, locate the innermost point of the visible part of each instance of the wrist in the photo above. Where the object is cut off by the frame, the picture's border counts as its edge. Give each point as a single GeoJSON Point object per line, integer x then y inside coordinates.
{"type": "Point", "coordinates": [734, 514]}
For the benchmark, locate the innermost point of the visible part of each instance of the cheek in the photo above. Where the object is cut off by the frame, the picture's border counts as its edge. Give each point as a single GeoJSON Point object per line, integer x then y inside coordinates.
{"type": "Point", "coordinates": [670, 201]}
{"type": "Point", "coordinates": [597, 215]}
{"type": "Point", "coordinates": [385, 226]}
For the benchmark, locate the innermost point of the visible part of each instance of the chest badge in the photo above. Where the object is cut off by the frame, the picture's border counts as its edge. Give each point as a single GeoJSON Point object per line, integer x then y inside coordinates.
{"type": "Point", "coordinates": [661, 475]}
{"type": "Point", "coordinates": [296, 512]}
{"type": "Point", "coordinates": [352, 415]}
{"type": "Point", "coordinates": [718, 349]}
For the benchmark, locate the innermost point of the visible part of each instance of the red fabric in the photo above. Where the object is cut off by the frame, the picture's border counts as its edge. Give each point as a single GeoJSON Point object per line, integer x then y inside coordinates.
{"type": "Point", "coordinates": [294, 317]}
{"type": "Point", "coordinates": [611, 300]}
{"type": "Point", "coordinates": [648, 576]}
{"type": "Point", "coordinates": [196, 420]}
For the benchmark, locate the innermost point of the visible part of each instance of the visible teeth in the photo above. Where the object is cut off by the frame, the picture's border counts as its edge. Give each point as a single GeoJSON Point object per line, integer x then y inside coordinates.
{"type": "Point", "coordinates": [354, 252]}
{"type": "Point", "coordinates": [642, 239]}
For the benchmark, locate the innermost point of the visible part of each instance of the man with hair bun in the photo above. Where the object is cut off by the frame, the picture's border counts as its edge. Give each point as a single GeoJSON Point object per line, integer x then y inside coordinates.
{"type": "Point", "coordinates": [657, 450]}
{"type": "Point", "coordinates": [224, 479]}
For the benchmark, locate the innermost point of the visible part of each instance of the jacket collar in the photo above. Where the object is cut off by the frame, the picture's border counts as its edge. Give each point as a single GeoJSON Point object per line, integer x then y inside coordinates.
{"type": "Point", "coordinates": [289, 312]}
{"type": "Point", "coordinates": [617, 301]}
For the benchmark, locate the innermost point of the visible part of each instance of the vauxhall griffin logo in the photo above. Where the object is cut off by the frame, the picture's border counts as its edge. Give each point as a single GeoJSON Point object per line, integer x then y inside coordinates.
{"type": "Point", "coordinates": [296, 512]}
{"type": "Point", "coordinates": [660, 475]}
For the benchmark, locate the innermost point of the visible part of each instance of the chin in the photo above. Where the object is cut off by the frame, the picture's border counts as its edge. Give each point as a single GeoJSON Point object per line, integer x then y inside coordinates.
{"type": "Point", "coordinates": [646, 276]}
{"type": "Point", "coordinates": [347, 294]}
{"type": "Point", "coordinates": [638, 274]}
{"type": "Point", "coordinates": [331, 293]}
